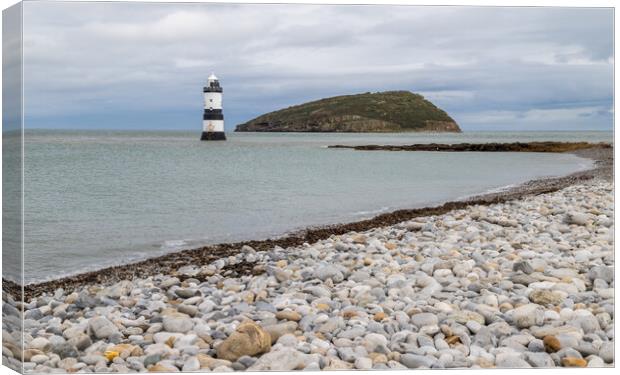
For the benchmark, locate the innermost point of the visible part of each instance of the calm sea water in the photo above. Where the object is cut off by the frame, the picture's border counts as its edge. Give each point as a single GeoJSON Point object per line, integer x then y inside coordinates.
{"type": "Point", "coordinates": [94, 199]}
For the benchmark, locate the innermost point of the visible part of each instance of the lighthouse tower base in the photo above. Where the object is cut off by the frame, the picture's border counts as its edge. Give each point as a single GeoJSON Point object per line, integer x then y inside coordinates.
{"type": "Point", "coordinates": [213, 136]}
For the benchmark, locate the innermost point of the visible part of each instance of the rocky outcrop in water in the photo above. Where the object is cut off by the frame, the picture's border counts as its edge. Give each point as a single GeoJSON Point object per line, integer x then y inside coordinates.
{"type": "Point", "coordinates": [484, 147]}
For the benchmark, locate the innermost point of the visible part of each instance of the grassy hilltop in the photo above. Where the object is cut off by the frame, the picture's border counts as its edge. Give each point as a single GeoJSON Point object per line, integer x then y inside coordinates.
{"type": "Point", "coordinates": [389, 111]}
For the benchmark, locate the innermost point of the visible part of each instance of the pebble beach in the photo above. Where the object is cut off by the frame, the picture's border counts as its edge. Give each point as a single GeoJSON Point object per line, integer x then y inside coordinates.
{"type": "Point", "coordinates": [525, 283]}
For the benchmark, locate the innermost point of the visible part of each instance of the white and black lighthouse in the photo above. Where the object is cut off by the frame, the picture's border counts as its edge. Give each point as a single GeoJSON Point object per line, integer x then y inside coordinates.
{"type": "Point", "coordinates": [213, 118]}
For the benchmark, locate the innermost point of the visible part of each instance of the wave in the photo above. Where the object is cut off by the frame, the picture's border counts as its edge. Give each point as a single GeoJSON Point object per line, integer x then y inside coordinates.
{"type": "Point", "coordinates": [173, 244]}
{"type": "Point", "coordinates": [371, 212]}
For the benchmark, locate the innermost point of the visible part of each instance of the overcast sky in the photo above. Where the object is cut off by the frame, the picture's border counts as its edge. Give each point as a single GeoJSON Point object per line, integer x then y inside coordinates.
{"type": "Point", "coordinates": [142, 66]}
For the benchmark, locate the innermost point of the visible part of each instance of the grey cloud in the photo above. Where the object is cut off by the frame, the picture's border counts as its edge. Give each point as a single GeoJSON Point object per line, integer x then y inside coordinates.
{"type": "Point", "coordinates": [83, 59]}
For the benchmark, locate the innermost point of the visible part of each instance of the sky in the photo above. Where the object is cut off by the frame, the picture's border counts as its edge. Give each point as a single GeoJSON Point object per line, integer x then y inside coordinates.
{"type": "Point", "coordinates": [142, 65]}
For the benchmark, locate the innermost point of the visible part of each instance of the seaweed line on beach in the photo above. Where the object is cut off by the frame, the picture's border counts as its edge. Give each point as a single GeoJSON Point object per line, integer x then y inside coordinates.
{"type": "Point", "coordinates": [602, 154]}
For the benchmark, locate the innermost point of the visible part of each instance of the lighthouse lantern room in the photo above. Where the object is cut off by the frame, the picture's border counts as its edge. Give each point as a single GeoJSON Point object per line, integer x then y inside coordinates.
{"type": "Point", "coordinates": [213, 118]}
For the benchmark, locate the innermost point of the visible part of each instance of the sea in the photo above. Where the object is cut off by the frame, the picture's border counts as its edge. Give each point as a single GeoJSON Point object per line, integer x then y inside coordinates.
{"type": "Point", "coordinates": [93, 199]}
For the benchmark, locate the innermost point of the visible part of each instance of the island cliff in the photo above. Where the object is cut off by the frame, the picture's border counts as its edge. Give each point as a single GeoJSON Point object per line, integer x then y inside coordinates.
{"type": "Point", "coordinates": [381, 112]}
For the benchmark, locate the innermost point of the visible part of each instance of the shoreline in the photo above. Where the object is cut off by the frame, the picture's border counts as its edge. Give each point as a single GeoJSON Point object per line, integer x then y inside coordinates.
{"type": "Point", "coordinates": [506, 283]}
{"type": "Point", "coordinates": [601, 154]}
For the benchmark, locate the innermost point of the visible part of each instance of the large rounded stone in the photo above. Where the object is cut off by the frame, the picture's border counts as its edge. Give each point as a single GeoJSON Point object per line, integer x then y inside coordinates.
{"type": "Point", "coordinates": [546, 297]}
{"type": "Point", "coordinates": [180, 323]}
{"type": "Point", "coordinates": [249, 339]}
{"type": "Point", "coordinates": [101, 327]}
{"type": "Point", "coordinates": [65, 350]}
{"type": "Point", "coordinates": [528, 315]}
{"type": "Point", "coordinates": [577, 218]}
{"type": "Point", "coordinates": [607, 352]}
{"type": "Point", "coordinates": [424, 319]}
{"type": "Point", "coordinates": [281, 360]}
{"type": "Point", "coordinates": [539, 359]}
{"type": "Point", "coordinates": [81, 341]}
{"type": "Point", "coordinates": [120, 289]}
{"type": "Point", "coordinates": [601, 272]}
{"type": "Point", "coordinates": [288, 315]}
{"type": "Point", "coordinates": [552, 344]}
{"type": "Point", "coordinates": [415, 360]}
{"type": "Point", "coordinates": [574, 362]}
{"type": "Point", "coordinates": [328, 271]}
{"type": "Point", "coordinates": [40, 343]}
{"type": "Point", "coordinates": [464, 316]}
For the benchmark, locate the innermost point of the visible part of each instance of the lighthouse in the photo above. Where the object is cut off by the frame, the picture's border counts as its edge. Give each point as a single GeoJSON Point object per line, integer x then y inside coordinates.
{"type": "Point", "coordinates": [213, 118]}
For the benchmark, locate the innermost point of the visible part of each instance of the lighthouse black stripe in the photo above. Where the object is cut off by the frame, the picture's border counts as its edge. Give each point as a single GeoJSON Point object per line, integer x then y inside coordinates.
{"type": "Point", "coordinates": [212, 89]}
{"type": "Point", "coordinates": [213, 136]}
{"type": "Point", "coordinates": [212, 116]}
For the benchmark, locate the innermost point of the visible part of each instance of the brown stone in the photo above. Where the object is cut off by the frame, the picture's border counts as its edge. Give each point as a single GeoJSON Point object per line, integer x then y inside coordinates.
{"type": "Point", "coordinates": [379, 316]}
{"type": "Point", "coordinates": [322, 306]}
{"type": "Point", "coordinates": [170, 341]}
{"type": "Point", "coordinates": [337, 364]}
{"type": "Point", "coordinates": [249, 339]}
{"type": "Point", "coordinates": [162, 368]}
{"type": "Point", "coordinates": [28, 353]}
{"type": "Point", "coordinates": [394, 356]}
{"type": "Point", "coordinates": [288, 315]}
{"type": "Point", "coordinates": [360, 238]}
{"type": "Point", "coordinates": [261, 295]}
{"type": "Point", "coordinates": [378, 358]}
{"type": "Point", "coordinates": [136, 352]}
{"type": "Point", "coordinates": [248, 297]}
{"type": "Point", "coordinates": [413, 310]}
{"type": "Point", "coordinates": [552, 344]}
{"type": "Point", "coordinates": [127, 302]}
{"type": "Point", "coordinates": [505, 307]}
{"type": "Point", "coordinates": [546, 297]}
{"type": "Point", "coordinates": [574, 362]}
{"type": "Point", "coordinates": [209, 362]}
{"type": "Point", "coordinates": [71, 298]}
{"type": "Point", "coordinates": [485, 363]}
{"type": "Point", "coordinates": [202, 344]}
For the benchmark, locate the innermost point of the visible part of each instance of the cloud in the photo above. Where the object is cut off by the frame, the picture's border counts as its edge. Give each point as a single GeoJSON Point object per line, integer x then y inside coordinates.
{"type": "Point", "coordinates": [574, 118]}
{"type": "Point", "coordinates": [11, 69]}
{"type": "Point", "coordinates": [149, 61]}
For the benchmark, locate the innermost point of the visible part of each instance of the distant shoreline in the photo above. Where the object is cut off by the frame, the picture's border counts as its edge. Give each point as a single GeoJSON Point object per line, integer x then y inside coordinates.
{"type": "Point", "coordinates": [602, 154]}
{"type": "Point", "coordinates": [232, 131]}
{"type": "Point", "coordinates": [483, 147]}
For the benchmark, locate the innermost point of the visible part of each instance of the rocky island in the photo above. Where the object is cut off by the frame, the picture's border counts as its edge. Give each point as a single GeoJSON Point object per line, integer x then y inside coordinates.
{"type": "Point", "coordinates": [380, 112]}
